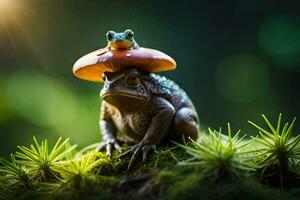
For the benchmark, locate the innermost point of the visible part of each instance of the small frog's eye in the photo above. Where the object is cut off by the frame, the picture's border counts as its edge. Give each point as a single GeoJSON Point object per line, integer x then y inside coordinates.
{"type": "Point", "coordinates": [129, 34]}
{"type": "Point", "coordinates": [110, 35]}
{"type": "Point", "coordinates": [133, 79]}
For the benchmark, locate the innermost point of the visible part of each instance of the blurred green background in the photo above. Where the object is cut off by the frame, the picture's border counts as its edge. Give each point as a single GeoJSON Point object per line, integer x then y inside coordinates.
{"type": "Point", "coordinates": [236, 60]}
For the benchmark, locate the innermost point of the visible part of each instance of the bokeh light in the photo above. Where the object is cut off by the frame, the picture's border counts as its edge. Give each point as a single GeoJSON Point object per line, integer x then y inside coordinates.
{"type": "Point", "coordinates": [279, 37]}
{"type": "Point", "coordinates": [46, 102]}
{"type": "Point", "coordinates": [241, 78]}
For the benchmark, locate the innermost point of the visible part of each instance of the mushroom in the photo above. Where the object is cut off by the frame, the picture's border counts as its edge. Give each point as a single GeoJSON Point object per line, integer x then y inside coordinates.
{"type": "Point", "coordinates": [92, 66]}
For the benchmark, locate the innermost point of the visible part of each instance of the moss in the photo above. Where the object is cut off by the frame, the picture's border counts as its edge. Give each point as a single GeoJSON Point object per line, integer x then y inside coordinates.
{"type": "Point", "coordinates": [159, 178]}
{"type": "Point", "coordinates": [193, 188]}
{"type": "Point", "coordinates": [92, 175]}
{"type": "Point", "coordinates": [273, 176]}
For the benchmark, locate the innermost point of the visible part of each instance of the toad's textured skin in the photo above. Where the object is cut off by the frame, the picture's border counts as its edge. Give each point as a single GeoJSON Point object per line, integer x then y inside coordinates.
{"type": "Point", "coordinates": [145, 107]}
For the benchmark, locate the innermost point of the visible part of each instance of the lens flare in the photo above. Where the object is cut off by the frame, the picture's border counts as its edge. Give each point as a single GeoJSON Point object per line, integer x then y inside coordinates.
{"type": "Point", "coordinates": [6, 6]}
{"type": "Point", "coordinates": [4, 3]}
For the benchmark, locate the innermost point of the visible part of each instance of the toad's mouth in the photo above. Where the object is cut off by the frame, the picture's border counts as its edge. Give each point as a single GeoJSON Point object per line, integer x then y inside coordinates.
{"type": "Point", "coordinates": [108, 95]}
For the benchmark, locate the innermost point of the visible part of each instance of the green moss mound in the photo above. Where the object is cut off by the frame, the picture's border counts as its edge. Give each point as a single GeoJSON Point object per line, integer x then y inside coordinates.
{"type": "Point", "coordinates": [218, 166]}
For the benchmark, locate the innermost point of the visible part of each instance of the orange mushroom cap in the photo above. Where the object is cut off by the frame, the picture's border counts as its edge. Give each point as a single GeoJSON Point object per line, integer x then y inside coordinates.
{"type": "Point", "coordinates": [92, 66]}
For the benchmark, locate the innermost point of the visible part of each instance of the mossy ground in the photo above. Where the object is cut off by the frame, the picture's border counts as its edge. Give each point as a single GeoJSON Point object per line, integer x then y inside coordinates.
{"type": "Point", "coordinates": [217, 166]}
{"type": "Point", "coordinates": [160, 178]}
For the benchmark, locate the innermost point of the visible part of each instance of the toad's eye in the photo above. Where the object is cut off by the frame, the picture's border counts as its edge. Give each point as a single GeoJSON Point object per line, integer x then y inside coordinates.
{"type": "Point", "coordinates": [133, 79]}
{"type": "Point", "coordinates": [129, 34]}
{"type": "Point", "coordinates": [106, 76]}
{"type": "Point", "coordinates": [103, 77]}
{"type": "Point", "coordinates": [110, 35]}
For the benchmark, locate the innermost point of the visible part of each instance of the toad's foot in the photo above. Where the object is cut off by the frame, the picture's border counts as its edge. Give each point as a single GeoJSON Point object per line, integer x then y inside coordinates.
{"type": "Point", "coordinates": [109, 145]}
{"type": "Point", "coordinates": [136, 150]}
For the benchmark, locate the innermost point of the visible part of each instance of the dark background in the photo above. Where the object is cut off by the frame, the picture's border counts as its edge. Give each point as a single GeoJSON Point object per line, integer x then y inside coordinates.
{"type": "Point", "coordinates": [235, 59]}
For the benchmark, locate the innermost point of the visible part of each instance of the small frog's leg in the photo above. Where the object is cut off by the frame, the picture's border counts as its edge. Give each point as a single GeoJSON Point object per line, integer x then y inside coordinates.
{"type": "Point", "coordinates": [135, 45]}
{"type": "Point", "coordinates": [160, 124]}
{"type": "Point", "coordinates": [108, 131]}
{"type": "Point", "coordinates": [186, 124]}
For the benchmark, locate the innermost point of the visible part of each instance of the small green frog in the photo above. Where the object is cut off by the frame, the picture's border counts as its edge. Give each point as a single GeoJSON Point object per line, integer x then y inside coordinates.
{"type": "Point", "coordinates": [121, 41]}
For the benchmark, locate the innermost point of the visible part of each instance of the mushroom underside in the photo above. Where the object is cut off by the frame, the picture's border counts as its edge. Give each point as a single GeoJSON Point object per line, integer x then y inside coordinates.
{"type": "Point", "coordinates": [92, 66]}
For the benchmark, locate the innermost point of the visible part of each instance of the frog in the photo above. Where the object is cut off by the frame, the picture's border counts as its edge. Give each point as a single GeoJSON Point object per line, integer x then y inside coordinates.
{"type": "Point", "coordinates": [121, 41]}
{"type": "Point", "coordinates": [149, 109]}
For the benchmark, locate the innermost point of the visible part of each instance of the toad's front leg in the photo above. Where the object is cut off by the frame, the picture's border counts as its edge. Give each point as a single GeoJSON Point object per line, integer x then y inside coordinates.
{"type": "Point", "coordinates": [161, 121]}
{"type": "Point", "coordinates": [108, 131]}
{"type": "Point", "coordinates": [109, 139]}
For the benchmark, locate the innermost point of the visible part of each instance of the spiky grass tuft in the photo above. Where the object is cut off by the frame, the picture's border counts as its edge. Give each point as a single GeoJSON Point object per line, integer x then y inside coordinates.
{"type": "Point", "coordinates": [80, 172]}
{"type": "Point", "coordinates": [43, 164]}
{"type": "Point", "coordinates": [13, 174]}
{"type": "Point", "coordinates": [220, 155]}
{"type": "Point", "coordinates": [84, 165]}
{"type": "Point", "coordinates": [277, 147]}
